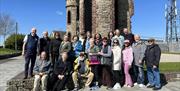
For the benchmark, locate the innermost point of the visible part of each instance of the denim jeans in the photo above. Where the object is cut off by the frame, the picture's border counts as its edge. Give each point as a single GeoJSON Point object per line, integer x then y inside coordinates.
{"type": "Point", "coordinates": [139, 74]}
{"type": "Point", "coordinates": [153, 75]}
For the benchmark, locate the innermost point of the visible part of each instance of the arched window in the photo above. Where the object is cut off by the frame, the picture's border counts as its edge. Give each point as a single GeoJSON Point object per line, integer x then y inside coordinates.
{"type": "Point", "coordinates": [69, 17]}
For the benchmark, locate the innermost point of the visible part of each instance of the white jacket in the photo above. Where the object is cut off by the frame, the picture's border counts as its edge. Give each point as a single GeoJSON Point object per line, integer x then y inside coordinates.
{"type": "Point", "coordinates": [116, 58]}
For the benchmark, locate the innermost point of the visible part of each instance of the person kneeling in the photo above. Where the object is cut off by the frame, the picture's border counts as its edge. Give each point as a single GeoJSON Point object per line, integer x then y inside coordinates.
{"type": "Point", "coordinates": [41, 70]}
{"type": "Point", "coordinates": [82, 70]}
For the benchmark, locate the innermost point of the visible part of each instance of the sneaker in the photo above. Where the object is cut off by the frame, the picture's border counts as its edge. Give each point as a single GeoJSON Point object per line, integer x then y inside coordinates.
{"type": "Point", "coordinates": [150, 86]}
{"type": "Point", "coordinates": [95, 87]}
{"type": "Point", "coordinates": [135, 84]}
{"type": "Point", "coordinates": [117, 86]}
{"type": "Point", "coordinates": [141, 85]}
{"type": "Point", "coordinates": [156, 88]}
{"type": "Point", "coordinates": [25, 77]}
{"type": "Point", "coordinates": [129, 86]}
{"type": "Point", "coordinates": [75, 89]}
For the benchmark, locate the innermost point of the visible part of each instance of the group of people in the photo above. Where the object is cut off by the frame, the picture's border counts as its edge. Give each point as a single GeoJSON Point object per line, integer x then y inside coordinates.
{"type": "Point", "coordinates": [113, 61]}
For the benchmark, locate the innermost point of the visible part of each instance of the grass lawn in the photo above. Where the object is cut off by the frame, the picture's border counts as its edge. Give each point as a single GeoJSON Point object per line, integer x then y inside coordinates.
{"type": "Point", "coordinates": [170, 67]}
{"type": "Point", "coordinates": [4, 51]}
{"type": "Point", "coordinates": [171, 53]}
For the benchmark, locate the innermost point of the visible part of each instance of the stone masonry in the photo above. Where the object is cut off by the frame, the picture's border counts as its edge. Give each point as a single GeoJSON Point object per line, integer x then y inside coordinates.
{"type": "Point", "coordinates": [99, 16]}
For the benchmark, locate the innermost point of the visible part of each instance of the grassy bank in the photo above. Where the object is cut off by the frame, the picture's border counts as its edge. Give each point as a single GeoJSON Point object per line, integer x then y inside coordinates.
{"type": "Point", "coordinates": [4, 51]}
{"type": "Point", "coordinates": [170, 67]}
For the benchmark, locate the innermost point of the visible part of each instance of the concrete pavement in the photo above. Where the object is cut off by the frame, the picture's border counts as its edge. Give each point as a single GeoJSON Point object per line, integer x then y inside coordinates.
{"type": "Point", "coordinates": [170, 58]}
{"type": "Point", "coordinates": [9, 69]}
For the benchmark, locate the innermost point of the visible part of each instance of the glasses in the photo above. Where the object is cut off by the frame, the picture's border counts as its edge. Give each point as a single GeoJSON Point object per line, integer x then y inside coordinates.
{"type": "Point", "coordinates": [104, 41]}
{"type": "Point", "coordinates": [115, 42]}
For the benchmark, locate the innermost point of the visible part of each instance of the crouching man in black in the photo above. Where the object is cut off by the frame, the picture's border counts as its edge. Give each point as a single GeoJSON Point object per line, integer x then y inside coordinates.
{"type": "Point", "coordinates": [60, 74]}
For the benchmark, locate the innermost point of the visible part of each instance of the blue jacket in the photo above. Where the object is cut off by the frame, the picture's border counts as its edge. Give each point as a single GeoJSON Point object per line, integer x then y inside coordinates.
{"type": "Point", "coordinates": [77, 47]}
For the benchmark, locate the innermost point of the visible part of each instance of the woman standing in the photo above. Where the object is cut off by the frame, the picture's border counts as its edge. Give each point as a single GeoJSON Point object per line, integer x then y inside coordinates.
{"type": "Point", "coordinates": [116, 49]}
{"type": "Point", "coordinates": [106, 60]}
{"type": "Point", "coordinates": [94, 61]}
{"type": "Point", "coordinates": [110, 36]}
{"type": "Point", "coordinates": [65, 45]}
{"type": "Point", "coordinates": [77, 47]}
{"type": "Point", "coordinates": [98, 40]}
{"type": "Point", "coordinates": [127, 53]}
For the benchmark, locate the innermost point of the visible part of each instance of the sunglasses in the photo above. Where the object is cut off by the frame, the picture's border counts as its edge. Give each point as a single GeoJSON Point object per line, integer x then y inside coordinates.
{"type": "Point", "coordinates": [115, 42]}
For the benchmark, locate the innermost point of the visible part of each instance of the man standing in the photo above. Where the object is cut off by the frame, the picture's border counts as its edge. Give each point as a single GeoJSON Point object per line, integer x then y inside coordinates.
{"type": "Point", "coordinates": [128, 36]}
{"type": "Point", "coordinates": [119, 37]}
{"type": "Point", "coordinates": [152, 58]}
{"type": "Point", "coordinates": [139, 48]}
{"type": "Point", "coordinates": [30, 51]}
{"type": "Point", "coordinates": [44, 44]}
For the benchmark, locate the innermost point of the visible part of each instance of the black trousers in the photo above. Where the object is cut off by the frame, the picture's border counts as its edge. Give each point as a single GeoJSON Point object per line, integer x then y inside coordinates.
{"type": "Point", "coordinates": [55, 84]}
{"type": "Point", "coordinates": [60, 84]}
{"type": "Point", "coordinates": [54, 58]}
{"type": "Point", "coordinates": [118, 77]}
{"type": "Point", "coordinates": [95, 71]}
{"type": "Point", "coordinates": [28, 59]}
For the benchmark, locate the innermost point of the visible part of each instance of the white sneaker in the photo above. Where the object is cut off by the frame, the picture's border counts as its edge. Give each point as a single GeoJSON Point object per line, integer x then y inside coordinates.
{"type": "Point", "coordinates": [141, 85]}
{"type": "Point", "coordinates": [129, 86]}
{"type": "Point", "coordinates": [117, 86]}
{"type": "Point", "coordinates": [135, 84]}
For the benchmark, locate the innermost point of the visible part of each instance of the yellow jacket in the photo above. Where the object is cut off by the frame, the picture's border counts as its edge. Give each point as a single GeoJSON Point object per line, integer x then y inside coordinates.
{"type": "Point", "coordinates": [76, 65]}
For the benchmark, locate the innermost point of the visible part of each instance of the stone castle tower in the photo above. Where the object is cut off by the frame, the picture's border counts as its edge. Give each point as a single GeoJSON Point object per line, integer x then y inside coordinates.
{"type": "Point", "coordinates": [71, 16]}
{"type": "Point", "coordinates": [98, 16]}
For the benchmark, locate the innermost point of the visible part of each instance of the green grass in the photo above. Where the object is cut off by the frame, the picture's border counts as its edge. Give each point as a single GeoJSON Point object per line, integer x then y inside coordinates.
{"type": "Point", "coordinates": [170, 67]}
{"type": "Point", "coordinates": [171, 53]}
{"type": "Point", "coordinates": [4, 51]}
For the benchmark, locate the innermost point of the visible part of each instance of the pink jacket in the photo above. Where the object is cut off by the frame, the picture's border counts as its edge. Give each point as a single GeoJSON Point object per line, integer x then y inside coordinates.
{"type": "Point", "coordinates": [128, 55]}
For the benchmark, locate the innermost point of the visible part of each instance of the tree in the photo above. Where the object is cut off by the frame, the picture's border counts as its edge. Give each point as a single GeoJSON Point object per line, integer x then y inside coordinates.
{"type": "Point", "coordinates": [7, 25]}
{"type": "Point", "coordinates": [10, 41]}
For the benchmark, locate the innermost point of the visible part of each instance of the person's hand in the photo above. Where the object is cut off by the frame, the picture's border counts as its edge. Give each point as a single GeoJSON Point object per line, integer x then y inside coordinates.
{"type": "Point", "coordinates": [100, 53]}
{"type": "Point", "coordinates": [22, 53]}
{"type": "Point", "coordinates": [140, 61]}
{"type": "Point", "coordinates": [60, 76]}
{"type": "Point", "coordinates": [90, 54]}
{"type": "Point", "coordinates": [41, 74]}
{"type": "Point", "coordinates": [154, 66]}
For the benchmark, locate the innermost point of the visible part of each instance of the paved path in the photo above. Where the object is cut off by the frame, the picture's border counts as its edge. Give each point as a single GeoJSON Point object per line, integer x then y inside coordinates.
{"type": "Point", "coordinates": [9, 69]}
{"type": "Point", "coordinates": [170, 58]}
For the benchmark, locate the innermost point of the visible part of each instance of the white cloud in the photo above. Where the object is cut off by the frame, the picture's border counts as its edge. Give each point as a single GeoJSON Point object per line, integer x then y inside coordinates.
{"type": "Point", "coordinates": [59, 13]}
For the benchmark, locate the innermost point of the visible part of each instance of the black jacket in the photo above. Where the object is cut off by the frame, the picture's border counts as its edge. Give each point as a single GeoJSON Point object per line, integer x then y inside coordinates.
{"type": "Point", "coordinates": [44, 44]}
{"type": "Point", "coordinates": [54, 47]}
{"type": "Point", "coordinates": [152, 55]}
{"type": "Point", "coordinates": [62, 68]}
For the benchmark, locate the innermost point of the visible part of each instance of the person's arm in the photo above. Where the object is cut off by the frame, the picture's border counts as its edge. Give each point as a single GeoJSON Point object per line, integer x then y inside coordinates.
{"type": "Point", "coordinates": [130, 56]}
{"type": "Point", "coordinates": [157, 55]}
{"type": "Point", "coordinates": [48, 68]}
{"type": "Point", "coordinates": [109, 52]}
{"type": "Point", "coordinates": [38, 46]}
{"type": "Point", "coordinates": [68, 47]}
{"type": "Point", "coordinates": [142, 51]}
{"type": "Point", "coordinates": [24, 44]}
{"type": "Point", "coordinates": [36, 68]}
{"type": "Point", "coordinates": [76, 64]}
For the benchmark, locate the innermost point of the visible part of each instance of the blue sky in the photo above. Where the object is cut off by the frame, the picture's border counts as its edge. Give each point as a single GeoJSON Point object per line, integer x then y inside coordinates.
{"type": "Point", "coordinates": [148, 19]}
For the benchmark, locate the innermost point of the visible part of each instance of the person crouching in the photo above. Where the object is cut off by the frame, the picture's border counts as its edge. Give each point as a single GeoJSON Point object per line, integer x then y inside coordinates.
{"type": "Point", "coordinates": [82, 70]}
